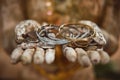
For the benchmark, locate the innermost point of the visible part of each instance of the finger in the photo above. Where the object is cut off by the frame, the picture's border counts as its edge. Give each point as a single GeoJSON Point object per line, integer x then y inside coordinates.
{"type": "Point", "coordinates": [83, 58]}
{"type": "Point", "coordinates": [27, 56]}
{"type": "Point", "coordinates": [16, 54]}
{"type": "Point", "coordinates": [70, 54]}
{"type": "Point", "coordinates": [50, 56]}
{"type": "Point", "coordinates": [28, 45]}
{"type": "Point", "coordinates": [38, 57]}
{"type": "Point", "coordinates": [94, 57]}
{"type": "Point", "coordinates": [105, 58]}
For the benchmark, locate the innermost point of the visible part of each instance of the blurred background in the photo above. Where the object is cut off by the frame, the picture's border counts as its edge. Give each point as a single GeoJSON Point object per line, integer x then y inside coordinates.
{"type": "Point", "coordinates": [106, 13]}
